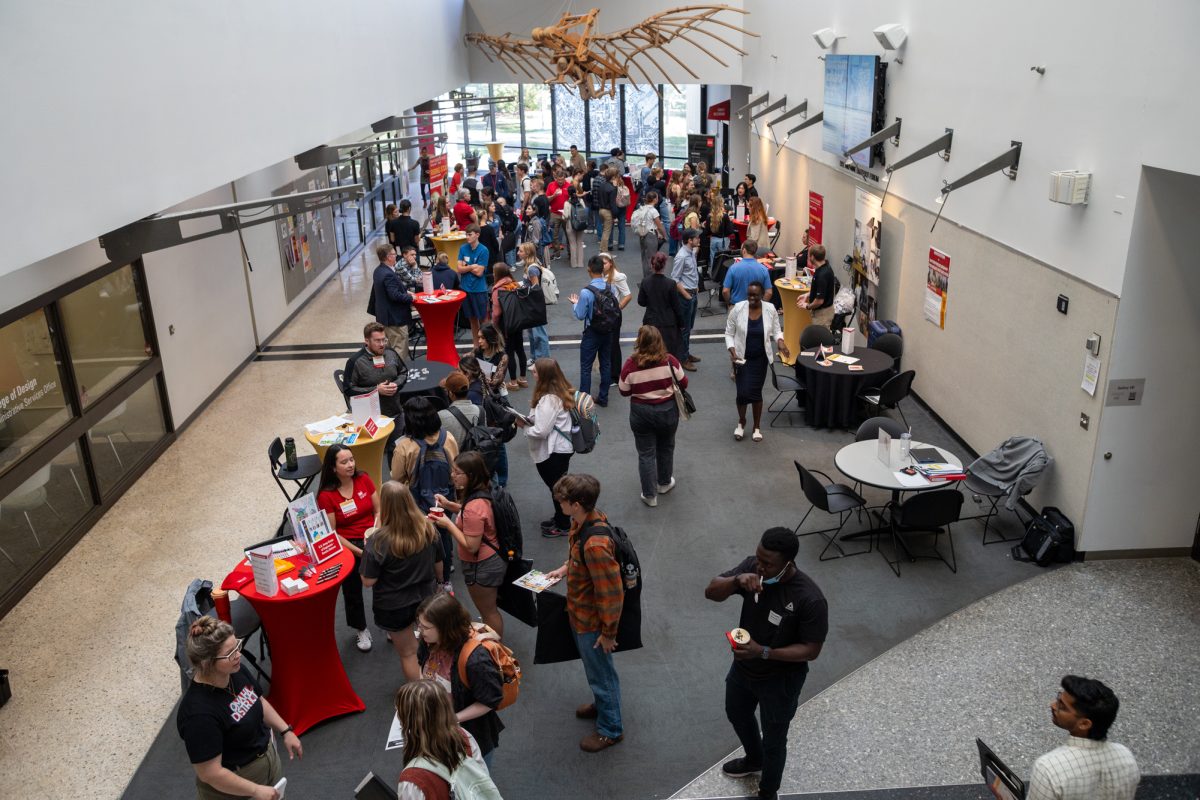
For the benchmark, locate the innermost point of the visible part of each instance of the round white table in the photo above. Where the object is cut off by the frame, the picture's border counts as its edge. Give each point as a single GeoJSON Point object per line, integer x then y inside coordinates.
{"type": "Point", "coordinates": [860, 462]}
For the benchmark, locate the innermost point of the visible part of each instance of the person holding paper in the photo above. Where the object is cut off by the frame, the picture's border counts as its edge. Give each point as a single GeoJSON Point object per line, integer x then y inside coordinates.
{"type": "Point", "coordinates": [225, 722]}
{"type": "Point", "coordinates": [377, 366]}
{"type": "Point", "coordinates": [347, 496]}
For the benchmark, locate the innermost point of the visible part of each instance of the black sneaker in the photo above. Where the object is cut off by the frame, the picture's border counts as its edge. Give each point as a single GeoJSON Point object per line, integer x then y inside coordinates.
{"type": "Point", "coordinates": [739, 768]}
{"type": "Point", "coordinates": [763, 794]}
{"type": "Point", "coordinates": [547, 523]}
{"type": "Point", "coordinates": [554, 533]}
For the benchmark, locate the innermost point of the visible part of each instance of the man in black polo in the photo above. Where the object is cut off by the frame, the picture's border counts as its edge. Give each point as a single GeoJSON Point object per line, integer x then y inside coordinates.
{"type": "Point", "coordinates": [787, 619]}
{"type": "Point", "coordinates": [377, 366]}
{"type": "Point", "coordinates": [819, 300]}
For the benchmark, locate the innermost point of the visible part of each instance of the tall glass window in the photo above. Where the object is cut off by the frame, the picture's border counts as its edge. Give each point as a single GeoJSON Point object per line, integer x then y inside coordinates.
{"type": "Point", "coordinates": [479, 131]}
{"type": "Point", "coordinates": [37, 514]}
{"type": "Point", "coordinates": [508, 118]}
{"type": "Point", "coordinates": [605, 115]}
{"type": "Point", "coordinates": [641, 120]}
{"type": "Point", "coordinates": [106, 333]}
{"type": "Point", "coordinates": [32, 402]}
{"type": "Point", "coordinates": [569, 124]}
{"type": "Point", "coordinates": [125, 435]}
{"type": "Point", "coordinates": [674, 126]}
{"type": "Point", "coordinates": [539, 135]}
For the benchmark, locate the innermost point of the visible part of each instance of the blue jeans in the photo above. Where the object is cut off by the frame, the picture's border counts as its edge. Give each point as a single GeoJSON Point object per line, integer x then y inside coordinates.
{"type": "Point", "coordinates": [619, 224]}
{"type": "Point", "coordinates": [606, 686]}
{"type": "Point", "coordinates": [593, 345]}
{"type": "Point", "coordinates": [502, 466]}
{"type": "Point", "coordinates": [594, 219]}
{"type": "Point", "coordinates": [776, 698]}
{"type": "Point", "coordinates": [539, 343]}
{"type": "Point", "coordinates": [689, 321]}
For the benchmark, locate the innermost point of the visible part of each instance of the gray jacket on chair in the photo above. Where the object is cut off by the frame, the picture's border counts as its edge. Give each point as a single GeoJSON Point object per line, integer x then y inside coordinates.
{"type": "Point", "coordinates": [197, 602]}
{"type": "Point", "coordinates": [1015, 466]}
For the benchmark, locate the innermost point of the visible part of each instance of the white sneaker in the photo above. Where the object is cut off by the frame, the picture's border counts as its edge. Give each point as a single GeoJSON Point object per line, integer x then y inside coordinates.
{"type": "Point", "coordinates": [664, 488]}
{"type": "Point", "coordinates": [739, 432]}
{"type": "Point", "coordinates": [650, 501]}
{"type": "Point", "coordinates": [757, 435]}
{"type": "Point", "coordinates": [364, 640]}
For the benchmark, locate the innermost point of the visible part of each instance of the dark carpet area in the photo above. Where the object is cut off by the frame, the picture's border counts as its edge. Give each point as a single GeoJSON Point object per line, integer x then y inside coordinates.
{"type": "Point", "coordinates": [728, 493]}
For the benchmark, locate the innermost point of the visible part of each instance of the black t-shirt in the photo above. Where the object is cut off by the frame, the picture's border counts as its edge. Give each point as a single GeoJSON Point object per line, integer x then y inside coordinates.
{"type": "Point", "coordinates": [403, 582]}
{"type": "Point", "coordinates": [402, 232]}
{"type": "Point", "coordinates": [223, 722]}
{"type": "Point", "coordinates": [822, 285]}
{"type": "Point", "coordinates": [486, 688]}
{"type": "Point", "coordinates": [784, 613]}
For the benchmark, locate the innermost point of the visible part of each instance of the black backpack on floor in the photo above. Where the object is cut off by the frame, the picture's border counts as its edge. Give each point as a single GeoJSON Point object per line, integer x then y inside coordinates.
{"type": "Point", "coordinates": [1049, 539]}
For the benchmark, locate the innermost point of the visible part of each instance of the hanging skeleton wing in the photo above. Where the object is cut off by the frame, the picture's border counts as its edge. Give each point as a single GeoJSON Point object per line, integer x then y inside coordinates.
{"type": "Point", "coordinates": [521, 56]}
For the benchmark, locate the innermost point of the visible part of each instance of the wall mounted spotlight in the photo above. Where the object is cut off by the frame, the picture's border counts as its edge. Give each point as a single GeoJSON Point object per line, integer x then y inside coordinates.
{"type": "Point", "coordinates": [826, 38]}
{"type": "Point", "coordinates": [762, 98]}
{"type": "Point", "coordinates": [813, 120]}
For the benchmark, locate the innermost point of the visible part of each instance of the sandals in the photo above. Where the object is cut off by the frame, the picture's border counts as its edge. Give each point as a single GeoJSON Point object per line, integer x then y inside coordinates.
{"type": "Point", "coordinates": [739, 432]}
{"type": "Point", "coordinates": [512, 386]}
{"type": "Point", "coordinates": [757, 436]}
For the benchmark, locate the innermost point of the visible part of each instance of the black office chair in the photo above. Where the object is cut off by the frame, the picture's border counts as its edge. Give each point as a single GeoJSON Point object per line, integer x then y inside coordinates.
{"type": "Point", "coordinates": [980, 487]}
{"type": "Point", "coordinates": [416, 337]}
{"type": "Point", "coordinates": [785, 385]}
{"type": "Point", "coordinates": [716, 270]}
{"type": "Point", "coordinates": [890, 394]}
{"type": "Point", "coordinates": [427, 251]}
{"type": "Point", "coordinates": [339, 380]}
{"type": "Point", "coordinates": [815, 335]}
{"type": "Point", "coordinates": [832, 498]}
{"type": "Point", "coordinates": [774, 234]}
{"type": "Point", "coordinates": [893, 345]}
{"type": "Point", "coordinates": [931, 512]}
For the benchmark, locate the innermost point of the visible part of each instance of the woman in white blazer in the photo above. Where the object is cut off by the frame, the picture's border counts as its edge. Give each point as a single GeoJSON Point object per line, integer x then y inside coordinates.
{"type": "Point", "coordinates": [752, 334]}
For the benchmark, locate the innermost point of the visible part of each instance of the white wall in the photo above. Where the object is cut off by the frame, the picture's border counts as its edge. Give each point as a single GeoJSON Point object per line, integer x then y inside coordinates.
{"type": "Point", "coordinates": [1145, 495]}
{"type": "Point", "coordinates": [1106, 104]}
{"type": "Point", "coordinates": [498, 17]}
{"type": "Point", "coordinates": [199, 289]}
{"type": "Point", "coordinates": [117, 110]}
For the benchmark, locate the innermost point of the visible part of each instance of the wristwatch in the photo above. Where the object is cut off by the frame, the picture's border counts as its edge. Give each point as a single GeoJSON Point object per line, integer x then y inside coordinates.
{"type": "Point", "coordinates": [766, 653]}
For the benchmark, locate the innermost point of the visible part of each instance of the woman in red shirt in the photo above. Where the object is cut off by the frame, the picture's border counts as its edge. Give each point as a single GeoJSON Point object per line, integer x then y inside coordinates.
{"type": "Point", "coordinates": [347, 496]}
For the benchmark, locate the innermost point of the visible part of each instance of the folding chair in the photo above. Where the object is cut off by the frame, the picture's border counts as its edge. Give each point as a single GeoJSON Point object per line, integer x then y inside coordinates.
{"type": "Point", "coordinates": [931, 512]}
{"type": "Point", "coordinates": [832, 498]}
{"type": "Point", "coordinates": [784, 385]}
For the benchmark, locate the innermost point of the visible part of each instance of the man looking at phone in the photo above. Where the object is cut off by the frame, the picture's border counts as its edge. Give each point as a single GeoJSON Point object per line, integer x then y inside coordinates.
{"type": "Point", "coordinates": [787, 619]}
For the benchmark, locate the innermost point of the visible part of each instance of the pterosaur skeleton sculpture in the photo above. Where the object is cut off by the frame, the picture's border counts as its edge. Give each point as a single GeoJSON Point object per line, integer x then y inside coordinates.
{"type": "Point", "coordinates": [571, 53]}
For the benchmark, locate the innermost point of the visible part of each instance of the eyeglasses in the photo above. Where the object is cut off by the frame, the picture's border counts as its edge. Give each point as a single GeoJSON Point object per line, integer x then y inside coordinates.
{"type": "Point", "coordinates": [237, 648]}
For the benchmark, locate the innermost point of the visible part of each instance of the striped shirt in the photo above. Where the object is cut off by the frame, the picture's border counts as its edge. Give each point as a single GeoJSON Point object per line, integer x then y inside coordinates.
{"type": "Point", "coordinates": [650, 385]}
{"type": "Point", "coordinates": [595, 593]}
{"type": "Point", "coordinates": [1085, 769]}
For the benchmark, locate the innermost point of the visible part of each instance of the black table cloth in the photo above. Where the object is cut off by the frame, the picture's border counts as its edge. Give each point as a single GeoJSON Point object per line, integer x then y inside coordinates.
{"type": "Point", "coordinates": [831, 393]}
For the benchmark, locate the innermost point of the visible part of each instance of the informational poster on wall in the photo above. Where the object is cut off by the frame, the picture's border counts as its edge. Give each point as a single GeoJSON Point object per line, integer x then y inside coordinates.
{"type": "Point", "coordinates": [306, 241]}
{"type": "Point", "coordinates": [868, 220]}
{"type": "Point", "coordinates": [937, 287]}
{"type": "Point", "coordinates": [437, 174]}
{"type": "Point", "coordinates": [816, 218]}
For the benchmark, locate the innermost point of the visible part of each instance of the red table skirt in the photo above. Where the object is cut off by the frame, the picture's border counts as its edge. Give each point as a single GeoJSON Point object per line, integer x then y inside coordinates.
{"type": "Point", "coordinates": [438, 318]}
{"type": "Point", "coordinates": [308, 682]}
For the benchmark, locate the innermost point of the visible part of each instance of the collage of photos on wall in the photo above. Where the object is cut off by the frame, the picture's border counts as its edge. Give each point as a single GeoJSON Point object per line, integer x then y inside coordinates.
{"type": "Point", "coordinates": [865, 255]}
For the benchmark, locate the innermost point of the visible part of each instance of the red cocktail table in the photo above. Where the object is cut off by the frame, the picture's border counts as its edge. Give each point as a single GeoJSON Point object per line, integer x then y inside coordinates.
{"type": "Point", "coordinates": [308, 682]}
{"type": "Point", "coordinates": [438, 311]}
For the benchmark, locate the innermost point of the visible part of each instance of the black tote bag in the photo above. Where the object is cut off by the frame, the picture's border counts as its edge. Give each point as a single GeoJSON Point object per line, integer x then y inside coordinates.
{"type": "Point", "coordinates": [517, 601]}
{"type": "Point", "coordinates": [521, 309]}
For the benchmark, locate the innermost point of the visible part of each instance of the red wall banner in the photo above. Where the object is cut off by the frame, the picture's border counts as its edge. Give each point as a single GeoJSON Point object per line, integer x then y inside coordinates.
{"type": "Point", "coordinates": [437, 174]}
{"type": "Point", "coordinates": [816, 218]}
{"type": "Point", "coordinates": [719, 111]}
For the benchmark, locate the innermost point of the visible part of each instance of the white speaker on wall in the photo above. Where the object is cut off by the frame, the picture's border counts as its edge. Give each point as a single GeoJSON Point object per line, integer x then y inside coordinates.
{"type": "Point", "coordinates": [826, 37]}
{"type": "Point", "coordinates": [891, 36]}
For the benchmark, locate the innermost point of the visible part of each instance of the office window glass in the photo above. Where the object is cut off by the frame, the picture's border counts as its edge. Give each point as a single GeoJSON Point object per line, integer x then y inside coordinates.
{"type": "Point", "coordinates": [674, 126]}
{"type": "Point", "coordinates": [106, 334]}
{"type": "Point", "coordinates": [539, 136]}
{"type": "Point", "coordinates": [39, 512]}
{"type": "Point", "coordinates": [508, 119]}
{"type": "Point", "coordinates": [641, 120]}
{"type": "Point", "coordinates": [569, 123]}
{"type": "Point", "coordinates": [125, 435]}
{"type": "Point", "coordinates": [605, 122]}
{"type": "Point", "coordinates": [32, 400]}
{"type": "Point", "coordinates": [479, 129]}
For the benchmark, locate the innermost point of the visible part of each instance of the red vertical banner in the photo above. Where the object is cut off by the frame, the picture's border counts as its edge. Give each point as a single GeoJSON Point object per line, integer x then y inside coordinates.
{"type": "Point", "coordinates": [425, 131]}
{"type": "Point", "coordinates": [937, 287]}
{"type": "Point", "coordinates": [437, 174]}
{"type": "Point", "coordinates": [816, 218]}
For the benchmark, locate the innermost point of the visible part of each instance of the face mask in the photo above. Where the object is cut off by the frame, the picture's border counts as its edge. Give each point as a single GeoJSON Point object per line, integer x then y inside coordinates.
{"type": "Point", "coordinates": [772, 581]}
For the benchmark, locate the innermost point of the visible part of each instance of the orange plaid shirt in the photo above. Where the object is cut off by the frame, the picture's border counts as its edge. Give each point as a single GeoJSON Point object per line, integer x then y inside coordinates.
{"type": "Point", "coordinates": [595, 593]}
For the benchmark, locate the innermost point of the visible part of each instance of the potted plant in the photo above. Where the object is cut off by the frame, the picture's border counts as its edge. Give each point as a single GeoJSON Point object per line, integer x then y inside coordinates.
{"type": "Point", "coordinates": [472, 160]}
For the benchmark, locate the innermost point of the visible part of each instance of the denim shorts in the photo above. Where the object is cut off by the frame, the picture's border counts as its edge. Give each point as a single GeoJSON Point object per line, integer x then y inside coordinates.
{"type": "Point", "coordinates": [488, 573]}
{"type": "Point", "coordinates": [476, 305]}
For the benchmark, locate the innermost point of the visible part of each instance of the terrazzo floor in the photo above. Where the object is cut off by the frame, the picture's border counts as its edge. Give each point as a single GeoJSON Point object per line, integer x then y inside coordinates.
{"type": "Point", "coordinates": [910, 717]}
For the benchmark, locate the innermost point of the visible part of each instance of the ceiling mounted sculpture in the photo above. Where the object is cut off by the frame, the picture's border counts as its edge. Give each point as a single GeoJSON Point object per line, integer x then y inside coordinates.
{"type": "Point", "coordinates": [572, 54]}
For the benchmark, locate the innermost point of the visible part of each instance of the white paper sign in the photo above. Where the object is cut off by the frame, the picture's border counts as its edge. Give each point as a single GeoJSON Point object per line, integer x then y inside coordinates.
{"type": "Point", "coordinates": [262, 562]}
{"type": "Point", "coordinates": [364, 406]}
{"type": "Point", "coordinates": [426, 281]}
{"type": "Point", "coordinates": [789, 267]}
{"type": "Point", "coordinates": [740, 213]}
{"type": "Point", "coordinates": [446, 225]}
{"type": "Point", "coordinates": [1091, 374]}
{"type": "Point", "coordinates": [884, 452]}
{"type": "Point", "coordinates": [848, 340]}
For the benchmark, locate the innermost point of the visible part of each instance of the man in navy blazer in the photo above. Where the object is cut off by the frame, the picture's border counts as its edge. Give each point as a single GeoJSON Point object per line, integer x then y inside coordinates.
{"type": "Point", "coordinates": [390, 301]}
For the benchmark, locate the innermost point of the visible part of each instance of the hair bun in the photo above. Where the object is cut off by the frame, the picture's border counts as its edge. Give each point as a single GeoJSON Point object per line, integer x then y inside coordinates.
{"type": "Point", "coordinates": [202, 626]}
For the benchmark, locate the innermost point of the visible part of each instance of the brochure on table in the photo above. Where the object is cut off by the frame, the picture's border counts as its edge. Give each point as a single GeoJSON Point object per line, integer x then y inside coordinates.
{"type": "Point", "coordinates": [262, 564]}
{"type": "Point", "coordinates": [312, 530]}
{"type": "Point", "coordinates": [364, 407]}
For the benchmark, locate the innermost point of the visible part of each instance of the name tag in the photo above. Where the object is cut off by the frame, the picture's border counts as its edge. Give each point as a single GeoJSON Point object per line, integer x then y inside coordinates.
{"type": "Point", "coordinates": [379, 361]}
{"type": "Point", "coordinates": [774, 618]}
{"type": "Point", "coordinates": [349, 507]}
